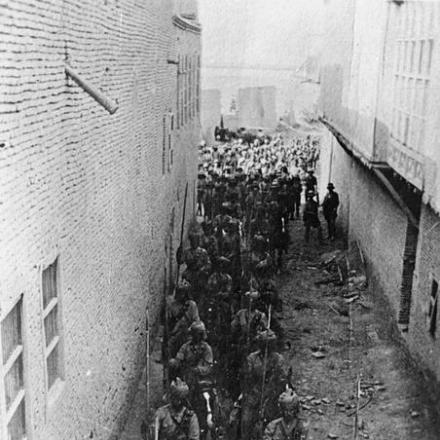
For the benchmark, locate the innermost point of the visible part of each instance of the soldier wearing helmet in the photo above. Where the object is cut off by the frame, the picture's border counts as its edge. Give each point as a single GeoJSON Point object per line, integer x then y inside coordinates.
{"type": "Point", "coordinates": [182, 312]}
{"type": "Point", "coordinates": [198, 264]}
{"type": "Point", "coordinates": [175, 421]}
{"type": "Point", "coordinates": [289, 426]}
{"type": "Point", "coordinates": [194, 360]}
{"type": "Point", "coordinates": [265, 376]}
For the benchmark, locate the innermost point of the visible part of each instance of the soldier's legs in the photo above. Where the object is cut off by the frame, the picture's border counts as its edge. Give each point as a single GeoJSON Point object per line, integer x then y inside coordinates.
{"type": "Point", "coordinates": [320, 237]}
{"type": "Point", "coordinates": [297, 204]}
{"type": "Point", "coordinates": [307, 234]}
{"type": "Point", "coordinates": [249, 418]}
{"type": "Point", "coordinates": [332, 228]}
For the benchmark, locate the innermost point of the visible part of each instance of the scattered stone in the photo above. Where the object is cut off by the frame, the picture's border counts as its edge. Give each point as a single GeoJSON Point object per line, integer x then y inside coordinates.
{"type": "Point", "coordinates": [332, 436]}
{"type": "Point", "coordinates": [326, 400]}
{"type": "Point", "coordinates": [415, 414]}
{"type": "Point", "coordinates": [316, 402]}
{"type": "Point", "coordinates": [339, 403]}
{"type": "Point", "coordinates": [318, 355]}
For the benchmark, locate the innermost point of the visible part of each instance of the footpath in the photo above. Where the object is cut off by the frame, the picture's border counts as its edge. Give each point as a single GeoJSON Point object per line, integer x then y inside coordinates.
{"type": "Point", "coordinates": [344, 363]}
{"type": "Point", "coordinates": [343, 360]}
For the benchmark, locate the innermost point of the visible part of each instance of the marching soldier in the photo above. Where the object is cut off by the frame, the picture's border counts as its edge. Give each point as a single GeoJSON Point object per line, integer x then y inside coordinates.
{"type": "Point", "coordinates": [194, 360]}
{"type": "Point", "coordinates": [310, 217]}
{"type": "Point", "coordinates": [311, 182]}
{"type": "Point", "coordinates": [220, 281]}
{"type": "Point", "coordinates": [197, 263]}
{"type": "Point", "coordinates": [289, 426]}
{"type": "Point", "coordinates": [265, 376]}
{"type": "Point", "coordinates": [182, 311]}
{"type": "Point", "coordinates": [296, 190]}
{"type": "Point", "coordinates": [175, 421]}
{"type": "Point", "coordinates": [209, 241]}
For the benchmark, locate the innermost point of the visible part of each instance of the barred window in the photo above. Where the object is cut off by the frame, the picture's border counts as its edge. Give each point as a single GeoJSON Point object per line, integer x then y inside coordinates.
{"type": "Point", "coordinates": [51, 318]}
{"type": "Point", "coordinates": [432, 312]}
{"type": "Point", "coordinates": [13, 374]}
{"type": "Point", "coordinates": [412, 73]}
{"type": "Point", "coordinates": [198, 86]}
{"type": "Point", "coordinates": [164, 144]}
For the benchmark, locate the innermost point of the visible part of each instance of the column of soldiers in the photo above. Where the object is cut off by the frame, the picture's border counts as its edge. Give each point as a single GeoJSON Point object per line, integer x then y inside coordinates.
{"type": "Point", "coordinates": [226, 341]}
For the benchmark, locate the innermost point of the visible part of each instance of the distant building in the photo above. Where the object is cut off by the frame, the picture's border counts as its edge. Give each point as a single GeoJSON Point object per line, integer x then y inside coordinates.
{"type": "Point", "coordinates": [257, 107]}
{"type": "Point", "coordinates": [210, 113]}
{"type": "Point", "coordinates": [92, 184]}
{"type": "Point", "coordinates": [380, 99]}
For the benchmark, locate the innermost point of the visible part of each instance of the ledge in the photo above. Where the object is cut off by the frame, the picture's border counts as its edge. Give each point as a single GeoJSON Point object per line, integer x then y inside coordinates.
{"type": "Point", "coordinates": [348, 145]}
{"type": "Point", "coordinates": [186, 24]}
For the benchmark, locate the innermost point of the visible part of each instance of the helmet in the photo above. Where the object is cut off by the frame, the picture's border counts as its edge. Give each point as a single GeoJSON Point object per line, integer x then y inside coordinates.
{"type": "Point", "coordinates": [266, 336]}
{"type": "Point", "coordinates": [289, 400]}
{"type": "Point", "coordinates": [330, 186]}
{"type": "Point", "coordinates": [178, 388]}
{"type": "Point", "coordinates": [183, 286]}
{"type": "Point", "coordinates": [197, 327]}
{"type": "Point", "coordinates": [223, 262]}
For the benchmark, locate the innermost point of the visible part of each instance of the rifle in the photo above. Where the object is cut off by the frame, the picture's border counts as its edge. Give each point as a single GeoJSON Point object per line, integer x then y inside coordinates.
{"type": "Point", "coordinates": [165, 350]}
{"type": "Point", "coordinates": [144, 426]}
{"type": "Point", "coordinates": [266, 354]}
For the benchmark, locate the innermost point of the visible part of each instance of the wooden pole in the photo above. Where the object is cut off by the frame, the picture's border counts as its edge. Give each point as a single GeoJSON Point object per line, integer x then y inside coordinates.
{"type": "Point", "coordinates": [94, 92]}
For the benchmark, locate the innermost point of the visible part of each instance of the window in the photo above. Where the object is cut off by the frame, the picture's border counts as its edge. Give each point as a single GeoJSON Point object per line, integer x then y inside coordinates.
{"type": "Point", "coordinates": [185, 98]}
{"type": "Point", "coordinates": [412, 72]}
{"type": "Point", "coordinates": [13, 374]}
{"type": "Point", "coordinates": [178, 95]}
{"type": "Point", "coordinates": [164, 145]}
{"type": "Point", "coordinates": [432, 313]}
{"type": "Point", "coordinates": [198, 86]}
{"type": "Point", "coordinates": [52, 334]}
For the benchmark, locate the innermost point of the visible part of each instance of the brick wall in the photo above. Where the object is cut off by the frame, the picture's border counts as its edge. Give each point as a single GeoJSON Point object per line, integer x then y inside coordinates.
{"type": "Point", "coordinates": [369, 215]}
{"type": "Point", "coordinates": [420, 341]}
{"type": "Point", "coordinates": [88, 187]}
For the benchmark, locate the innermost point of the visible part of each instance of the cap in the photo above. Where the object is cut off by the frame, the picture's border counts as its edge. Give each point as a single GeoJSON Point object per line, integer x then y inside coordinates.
{"type": "Point", "coordinates": [330, 186]}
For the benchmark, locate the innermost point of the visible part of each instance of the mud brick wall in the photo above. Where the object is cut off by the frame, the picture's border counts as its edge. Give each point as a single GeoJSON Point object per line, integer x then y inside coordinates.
{"type": "Point", "coordinates": [427, 270]}
{"type": "Point", "coordinates": [369, 215]}
{"type": "Point", "coordinates": [87, 187]}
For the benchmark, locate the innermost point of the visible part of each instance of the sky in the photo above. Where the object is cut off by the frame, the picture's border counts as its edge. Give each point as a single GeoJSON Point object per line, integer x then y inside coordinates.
{"type": "Point", "coordinates": [275, 32]}
{"type": "Point", "coordinates": [269, 33]}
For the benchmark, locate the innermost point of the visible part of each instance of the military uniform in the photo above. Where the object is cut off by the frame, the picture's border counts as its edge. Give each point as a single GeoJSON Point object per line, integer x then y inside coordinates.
{"type": "Point", "coordinates": [179, 424]}
{"type": "Point", "coordinates": [195, 361]}
{"type": "Point", "coordinates": [289, 426]}
{"type": "Point", "coordinates": [175, 421]}
{"type": "Point", "coordinates": [181, 316]}
{"type": "Point", "coordinates": [311, 218]}
{"type": "Point", "coordinates": [197, 270]}
{"type": "Point", "coordinates": [275, 380]}
{"type": "Point", "coordinates": [279, 430]}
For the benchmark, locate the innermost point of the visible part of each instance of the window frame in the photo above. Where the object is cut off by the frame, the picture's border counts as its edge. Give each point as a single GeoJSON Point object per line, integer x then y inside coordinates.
{"type": "Point", "coordinates": [432, 316]}
{"type": "Point", "coordinates": [54, 391]}
{"type": "Point", "coordinates": [413, 51]}
{"type": "Point", "coordinates": [6, 415]}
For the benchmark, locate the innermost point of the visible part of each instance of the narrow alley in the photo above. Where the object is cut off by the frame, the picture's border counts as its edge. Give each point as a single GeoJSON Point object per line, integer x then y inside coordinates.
{"type": "Point", "coordinates": [338, 343]}
{"type": "Point", "coordinates": [220, 220]}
